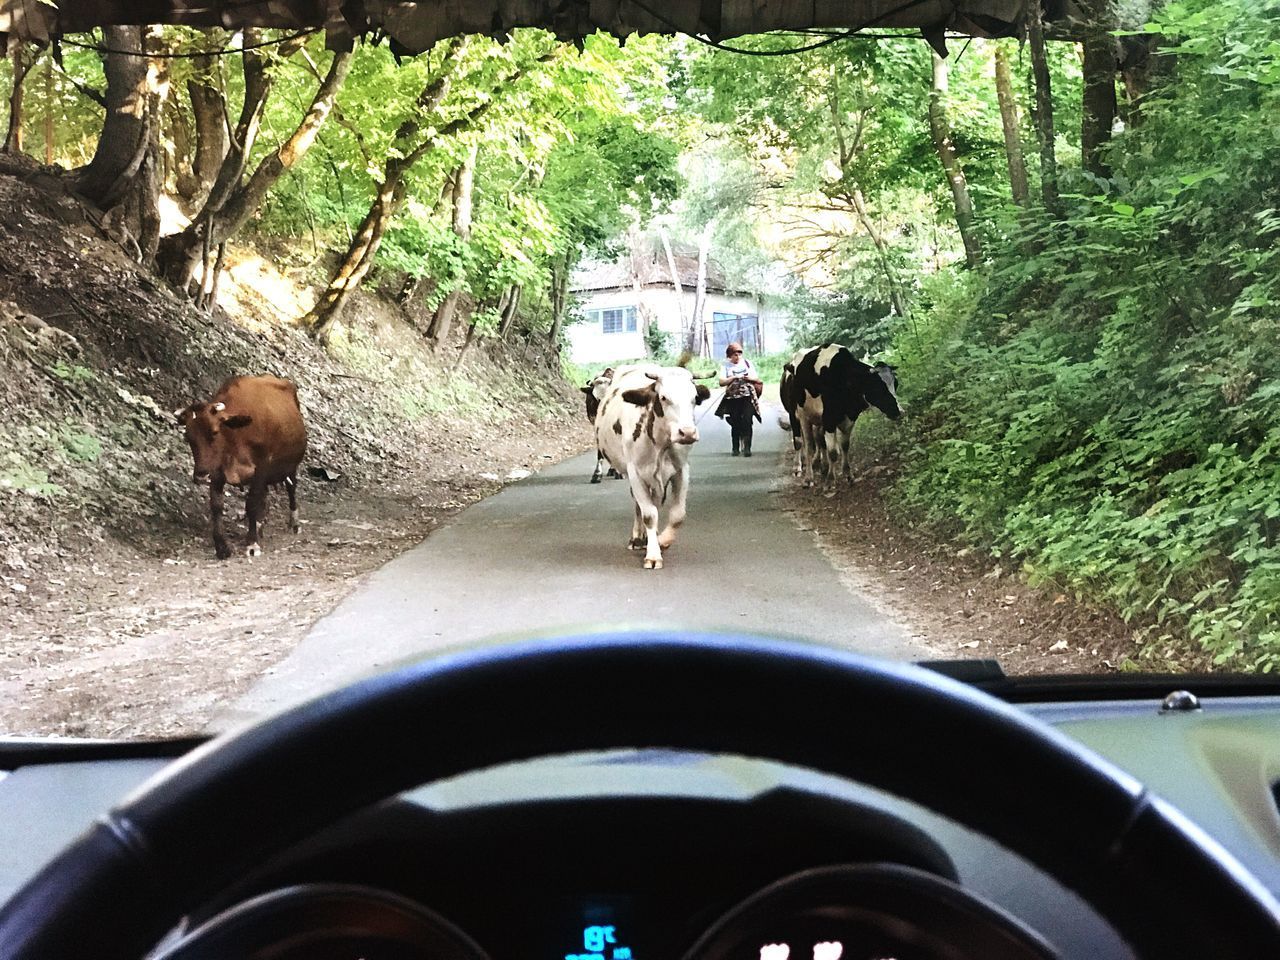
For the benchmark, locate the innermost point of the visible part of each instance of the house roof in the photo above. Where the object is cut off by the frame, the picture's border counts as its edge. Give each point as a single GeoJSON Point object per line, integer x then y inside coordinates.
{"type": "Point", "coordinates": [650, 267]}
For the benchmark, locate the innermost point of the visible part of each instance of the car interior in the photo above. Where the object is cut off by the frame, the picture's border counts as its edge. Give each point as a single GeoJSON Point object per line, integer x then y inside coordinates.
{"type": "Point", "coordinates": [662, 794]}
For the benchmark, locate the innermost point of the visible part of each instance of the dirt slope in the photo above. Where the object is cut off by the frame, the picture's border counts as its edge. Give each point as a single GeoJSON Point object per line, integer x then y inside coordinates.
{"type": "Point", "coordinates": [114, 617]}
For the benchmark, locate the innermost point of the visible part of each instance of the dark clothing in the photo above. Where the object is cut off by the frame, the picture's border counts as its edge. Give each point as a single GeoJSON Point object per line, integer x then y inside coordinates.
{"type": "Point", "coordinates": [739, 404]}
{"type": "Point", "coordinates": [739, 411]}
{"type": "Point", "coordinates": [729, 404]}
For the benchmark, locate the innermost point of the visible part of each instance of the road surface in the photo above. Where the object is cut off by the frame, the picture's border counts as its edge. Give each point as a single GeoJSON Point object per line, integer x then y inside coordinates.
{"type": "Point", "coordinates": [547, 554]}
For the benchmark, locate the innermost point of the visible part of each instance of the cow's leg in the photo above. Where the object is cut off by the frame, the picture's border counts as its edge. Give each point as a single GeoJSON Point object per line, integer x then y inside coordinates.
{"type": "Point", "coordinates": [647, 518]}
{"type": "Point", "coordinates": [217, 504]}
{"type": "Point", "coordinates": [637, 540]}
{"type": "Point", "coordinates": [255, 507]}
{"type": "Point", "coordinates": [810, 451]}
{"type": "Point", "coordinates": [291, 484]}
{"type": "Point", "coordinates": [676, 511]}
{"type": "Point", "coordinates": [599, 471]}
{"type": "Point", "coordinates": [835, 441]}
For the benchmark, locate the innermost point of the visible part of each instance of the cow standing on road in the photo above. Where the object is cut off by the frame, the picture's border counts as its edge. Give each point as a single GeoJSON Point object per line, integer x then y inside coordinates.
{"type": "Point", "coordinates": [645, 428]}
{"type": "Point", "coordinates": [250, 434]}
{"type": "Point", "coordinates": [594, 391]}
{"type": "Point", "coordinates": [824, 389]}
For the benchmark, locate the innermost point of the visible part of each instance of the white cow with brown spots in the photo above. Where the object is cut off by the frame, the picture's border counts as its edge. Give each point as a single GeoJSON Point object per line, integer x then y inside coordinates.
{"type": "Point", "coordinates": [645, 428]}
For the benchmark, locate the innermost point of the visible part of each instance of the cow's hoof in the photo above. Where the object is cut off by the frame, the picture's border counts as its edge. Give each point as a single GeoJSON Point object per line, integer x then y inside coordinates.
{"type": "Point", "coordinates": [651, 564]}
{"type": "Point", "coordinates": [595, 478]}
{"type": "Point", "coordinates": [253, 550]}
{"type": "Point", "coordinates": [222, 551]}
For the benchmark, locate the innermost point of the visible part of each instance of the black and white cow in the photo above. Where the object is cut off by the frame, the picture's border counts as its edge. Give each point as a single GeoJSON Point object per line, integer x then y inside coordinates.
{"type": "Point", "coordinates": [824, 389]}
{"type": "Point", "coordinates": [645, 428]}
{"type": "Point", "coordinates": [594, 391]}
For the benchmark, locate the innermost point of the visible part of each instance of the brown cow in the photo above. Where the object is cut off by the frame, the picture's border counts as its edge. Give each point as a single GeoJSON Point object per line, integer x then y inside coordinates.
{"type": "Point", "coordinates": [250, 434]}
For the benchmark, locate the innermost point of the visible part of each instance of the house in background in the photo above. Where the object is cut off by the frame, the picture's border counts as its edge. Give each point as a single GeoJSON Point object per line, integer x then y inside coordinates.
{"type": "Point", "coordinates": [617, 299]}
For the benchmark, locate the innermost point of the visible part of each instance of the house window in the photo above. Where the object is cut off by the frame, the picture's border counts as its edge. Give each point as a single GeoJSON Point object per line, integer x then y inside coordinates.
{"type": "Point", "coordinates": [618, 320]}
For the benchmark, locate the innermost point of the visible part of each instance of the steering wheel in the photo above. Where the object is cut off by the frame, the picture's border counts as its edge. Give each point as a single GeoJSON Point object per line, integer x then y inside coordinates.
{"type": "Point", "coordinates": [1169, 889]}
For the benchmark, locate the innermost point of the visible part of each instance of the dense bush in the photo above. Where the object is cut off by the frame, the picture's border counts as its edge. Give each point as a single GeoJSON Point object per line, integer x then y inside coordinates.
{"type": "Point", "coordinates": [1103, 401]}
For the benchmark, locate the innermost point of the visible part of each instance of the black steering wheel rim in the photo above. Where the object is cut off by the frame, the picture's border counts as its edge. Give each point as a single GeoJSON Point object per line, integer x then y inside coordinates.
{"type": "Point", "coordinates": [1166, 887]}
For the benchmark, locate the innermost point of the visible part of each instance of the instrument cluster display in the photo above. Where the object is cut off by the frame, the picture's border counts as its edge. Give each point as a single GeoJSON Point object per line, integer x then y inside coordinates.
{"type": "Point", "coordinates": [867, 912]}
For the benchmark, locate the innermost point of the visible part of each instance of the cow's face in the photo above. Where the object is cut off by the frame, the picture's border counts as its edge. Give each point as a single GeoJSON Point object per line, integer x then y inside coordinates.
{"type": "Point", "coordinates": [595, 390]}
{"type": "Point", "coordinates": [882, 391]}
{"type": "Point", "coordinates": [206, 426]}
{"type": "Point", "coordinates": [671, 399]}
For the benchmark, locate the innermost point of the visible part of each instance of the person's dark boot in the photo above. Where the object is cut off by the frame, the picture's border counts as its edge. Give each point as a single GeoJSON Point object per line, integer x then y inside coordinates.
{"type": "Point", "coordinates": [746, 445]}
{"type": "Point", "coordinates": [735, 443]}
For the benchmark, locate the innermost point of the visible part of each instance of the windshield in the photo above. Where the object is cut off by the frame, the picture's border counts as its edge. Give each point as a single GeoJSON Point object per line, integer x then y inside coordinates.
{"type": "Point", "coordinates": [929, 341]}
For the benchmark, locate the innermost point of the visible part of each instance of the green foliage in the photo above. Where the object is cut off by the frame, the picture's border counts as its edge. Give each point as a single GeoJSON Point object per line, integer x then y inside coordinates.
{"type": "Point", "coordinates": [769, 366]}
{"type": "Point", "coordinates": [82, 447]}
{"type": "Point", "coordinates": [1103, 403]}
{"type": "Point", "coordinates": [70, 372]}
{"type": "Point", "coordinates": [18, 475]}
{"type": "Point", "coordinates": [657, 342]}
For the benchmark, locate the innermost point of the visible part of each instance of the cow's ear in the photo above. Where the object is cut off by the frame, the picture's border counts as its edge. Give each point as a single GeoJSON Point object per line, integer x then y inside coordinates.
{"type": "Point", "coordinates": [702, 392]}
{"type": "Point", "coordinates": [180, 415]}
{"type": "Point", "coordinates": [641, 398]}
{"type": "Point", "coordinates": [238, 421]}
{"type": "Point", "coordinates": [589, 388]}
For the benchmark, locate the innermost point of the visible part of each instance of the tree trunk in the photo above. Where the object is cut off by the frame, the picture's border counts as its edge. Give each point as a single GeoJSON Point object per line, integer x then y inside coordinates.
{"type": "Point", "coordinates": [245, 202]}
{"type": "Point", "coordinates": [213, 142]}
{"type": "Point", "coordinates": [48, 110]}
{"type": "Point", "coordinates": [686, 333]}
{"type": "Point", "coordinates": [13, 137]}
{"type": "Point", "coordinates": [559, 299]}
{"type": "Point", "coordinates": [941, 130]}
{"type": "Point", "coordinates": [1019, 186]}
{"type": "Point", "coordinates": [896, 296]}
{"type": "Point", "coordinates": [1140, 68]}
{"type": "Point", "coordinates": [323, 317]}
{"type": "Point", "coordinates": [509, 311]}
{"type": "Point", "coordinates": [463, 187]}
{"type": "Point", "coordinates": [1098, 114]}
{"type": "Point", "coordinates": [1043, 112]}
{"type": "Point", "coordinates": [698, 324]}
{"type": "Point", "coordinates": [126, 128]}
{"type": "Point", "coordinates": [645, 317]}
{"type": "Point", "coordinates": [181, 256]}
{"type": "Point", "coordinates": [124, 177]}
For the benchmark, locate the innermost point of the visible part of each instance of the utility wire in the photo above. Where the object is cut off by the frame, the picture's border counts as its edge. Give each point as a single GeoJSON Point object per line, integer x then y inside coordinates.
{"type": "Point", "coordinates": [179, 56]}
{"type": "Point", "coordinates": [832, 38]}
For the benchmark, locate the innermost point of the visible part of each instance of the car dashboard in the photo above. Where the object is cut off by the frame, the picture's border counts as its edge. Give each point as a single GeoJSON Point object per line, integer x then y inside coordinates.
{"type": "Point", "coordinates": [656, 854]}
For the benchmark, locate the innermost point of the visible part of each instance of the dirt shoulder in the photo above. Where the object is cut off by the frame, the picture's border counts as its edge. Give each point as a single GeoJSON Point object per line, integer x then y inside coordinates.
{"type": "Point", "coordinates": [960, 603]}
{"type": "Point", "coordinates": [126, 643]}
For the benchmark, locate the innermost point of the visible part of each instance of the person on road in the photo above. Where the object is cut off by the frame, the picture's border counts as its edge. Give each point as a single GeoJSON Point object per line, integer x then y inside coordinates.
{"type": "Point", "coordinates": [739, 404]}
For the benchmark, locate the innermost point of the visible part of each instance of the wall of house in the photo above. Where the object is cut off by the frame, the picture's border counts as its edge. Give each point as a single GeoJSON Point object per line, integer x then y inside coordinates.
{"type": "Point", "coordinates": [589, 344]}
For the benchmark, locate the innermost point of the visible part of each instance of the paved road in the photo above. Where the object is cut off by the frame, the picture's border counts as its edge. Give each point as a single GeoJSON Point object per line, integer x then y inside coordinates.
{"type": "Point", "coordinates": [547, 554]}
